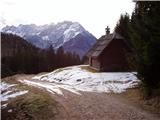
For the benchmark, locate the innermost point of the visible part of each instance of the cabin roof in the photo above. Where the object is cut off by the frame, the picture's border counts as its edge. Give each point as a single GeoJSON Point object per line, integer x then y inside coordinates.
{"type": "Point", "coordinates": [102, 43]}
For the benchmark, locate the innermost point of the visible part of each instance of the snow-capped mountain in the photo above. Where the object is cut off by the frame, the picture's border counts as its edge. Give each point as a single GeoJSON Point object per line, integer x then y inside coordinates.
{"type": "Point", "coordinates": [71, 35]}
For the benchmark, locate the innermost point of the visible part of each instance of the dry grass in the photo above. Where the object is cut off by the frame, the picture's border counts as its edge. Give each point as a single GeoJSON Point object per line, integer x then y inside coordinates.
{"type": "Point", "coordinates": [89, 69]}
{"type": "Point", "coordinates": [42, 73]}
{"type": "Point", "coordinates": [36, 104]}
{"type": "Point", "coordinates": [135, 96]}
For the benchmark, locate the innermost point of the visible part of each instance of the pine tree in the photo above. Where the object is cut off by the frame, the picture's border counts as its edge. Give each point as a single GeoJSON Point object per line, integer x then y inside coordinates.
{"type": "Point", "coordinates": [145, 36]}
{"type": "Point", "coordinates": [60, 57]}
{"type": "Point", "coordinates": [122, 26]}
{"type": "Point", "coordinates": [50, 58]}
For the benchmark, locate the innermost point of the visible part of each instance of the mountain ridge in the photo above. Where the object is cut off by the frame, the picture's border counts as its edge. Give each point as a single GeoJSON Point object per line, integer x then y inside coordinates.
{"type": "Point", "coordinates": [55, 35]}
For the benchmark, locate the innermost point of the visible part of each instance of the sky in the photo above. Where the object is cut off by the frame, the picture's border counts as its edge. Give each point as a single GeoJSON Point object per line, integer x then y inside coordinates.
{"type": "Point", "coordinates": [93, 15]}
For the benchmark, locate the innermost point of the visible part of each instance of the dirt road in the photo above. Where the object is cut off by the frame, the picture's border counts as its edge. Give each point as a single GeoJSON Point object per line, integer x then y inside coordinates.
{"type": "Point", "coordinates": [100, 106]}
{"type": "Point", "coordinates": [96, 106]}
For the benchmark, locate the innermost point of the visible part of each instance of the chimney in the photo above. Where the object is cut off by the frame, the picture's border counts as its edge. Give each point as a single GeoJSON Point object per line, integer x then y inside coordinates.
{"type": "Point", "coordinates": [107, 30]}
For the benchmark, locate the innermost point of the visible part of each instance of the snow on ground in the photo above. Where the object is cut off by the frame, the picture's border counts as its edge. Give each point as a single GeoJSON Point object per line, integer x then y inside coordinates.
{"type": "Point", "coordinates": [5, 86]}
{"type": "Point", "coordinates": [8, 92]}
{"type": "Point", "coordinates": [76, 79]}
{"type": "Point", "coordinates": [50, 87]}
{"type": "Point", "coordinates": [4, 105]}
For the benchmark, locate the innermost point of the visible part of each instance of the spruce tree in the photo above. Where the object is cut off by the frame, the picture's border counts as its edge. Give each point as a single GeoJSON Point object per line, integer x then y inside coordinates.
{"type": "Point", "coordinates": [145, 36]}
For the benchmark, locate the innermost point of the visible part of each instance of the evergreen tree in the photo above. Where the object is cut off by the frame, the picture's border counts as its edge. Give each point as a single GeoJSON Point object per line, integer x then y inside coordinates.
{"type": "Point", "coordinates": [122, 26]}
{"type": "Point", "coordinates": [50, 56]}
{"type": "Point", "coordinates": [19, 56]}
{"type": "Point", "coordinates": [143, 32]}
{"type": "Point", "coordinates": [145, 36]}
{"type": "Point", "coordinates": [60, 56]}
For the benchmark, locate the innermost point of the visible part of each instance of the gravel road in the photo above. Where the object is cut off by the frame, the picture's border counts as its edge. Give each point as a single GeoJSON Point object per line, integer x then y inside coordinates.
{"type": "Point", "coordinates": [97, 106]}
{"type": "Point", "coordinates": [100, 106]}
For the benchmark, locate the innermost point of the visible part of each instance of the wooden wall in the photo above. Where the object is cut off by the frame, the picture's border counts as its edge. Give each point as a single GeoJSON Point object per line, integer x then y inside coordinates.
{"type": "Point", "coordinates": [113, 57]}
{"type": "Point", "coordinates": [95, 63]}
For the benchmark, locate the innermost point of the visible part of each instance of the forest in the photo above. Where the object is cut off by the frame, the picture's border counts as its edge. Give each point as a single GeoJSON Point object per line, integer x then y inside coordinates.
{"type": "Point", "coordinates": [20, 57]}
{"type": "Point", "coordinates": [142, 30]}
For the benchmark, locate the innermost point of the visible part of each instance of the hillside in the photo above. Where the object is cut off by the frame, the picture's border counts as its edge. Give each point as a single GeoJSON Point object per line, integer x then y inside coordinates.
{"type": "Point", "coordinates": [75, 93]}
{"type": "Point", "coordinates": [57, 35]}
{"type": "Point", "coordinates": [19, 56]}
{"type": "Point", "coordinates": [12, 44]}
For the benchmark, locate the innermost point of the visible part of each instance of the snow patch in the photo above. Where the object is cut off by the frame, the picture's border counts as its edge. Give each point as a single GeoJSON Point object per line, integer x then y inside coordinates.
{"type": "Point", "coordinates": [5, 86]}
{"type": "Point", "coordinates": [21, 34]}
{"type": "Point", "coordinates": [7, 93]}
{"type": "Point", "coordinates": [50, 87]}
{"type": "Point", "coordinates": [77, 79]}
{"type": "Point", "coordinates": [72, 31]}
{"type": "Point", "coordinates": [10, 110]}
{"type": "Point", "coordinates": [4, 106]}
{"type": "Point", "coordinates": [46, 38]}
{"type": "Point", "coordinates": [63, 26]}
{"type": "Point", "coordinates": [5, 97]}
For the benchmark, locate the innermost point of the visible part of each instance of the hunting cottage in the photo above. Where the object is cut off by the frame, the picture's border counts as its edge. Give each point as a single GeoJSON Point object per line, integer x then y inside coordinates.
{"type": "Point", "coordinates": [109, 53]}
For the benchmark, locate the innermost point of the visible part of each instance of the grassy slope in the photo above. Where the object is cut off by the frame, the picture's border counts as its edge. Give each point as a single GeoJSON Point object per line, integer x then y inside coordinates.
{"type": "Point", "coordinates": [89, 69]}
{"type": "Point", "coordinates": [135, 96]}
{"type": "Point", "coordinates": [36, 104]}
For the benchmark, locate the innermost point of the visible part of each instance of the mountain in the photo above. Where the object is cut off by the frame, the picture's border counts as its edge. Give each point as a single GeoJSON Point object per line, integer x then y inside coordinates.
{"type": "Point", "coordinates": [20, 56]}
{"type": "Point", "coordinates": [17, 55]}
{"type": "Point", "coordinates": [71, 35]}
{"type": "Point", "coordinates": [12, 45]}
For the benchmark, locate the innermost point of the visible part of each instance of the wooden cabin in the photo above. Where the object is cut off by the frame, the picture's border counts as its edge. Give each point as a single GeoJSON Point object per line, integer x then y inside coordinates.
{"type": "Point", "coordinates": [109, 53]}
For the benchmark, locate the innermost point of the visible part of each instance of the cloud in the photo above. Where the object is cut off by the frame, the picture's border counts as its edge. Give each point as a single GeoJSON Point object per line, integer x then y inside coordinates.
{"type": "Point", "coordinates": [7, 2]}
{"type": "Point", "coordinates": [2, 20]}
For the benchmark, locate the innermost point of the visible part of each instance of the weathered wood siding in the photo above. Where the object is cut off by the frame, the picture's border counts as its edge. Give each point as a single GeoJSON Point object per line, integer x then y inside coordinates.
{"type": "Point", "coordinates": [113, 58]}
{"type": "Point", "coordinates": [95, 63]}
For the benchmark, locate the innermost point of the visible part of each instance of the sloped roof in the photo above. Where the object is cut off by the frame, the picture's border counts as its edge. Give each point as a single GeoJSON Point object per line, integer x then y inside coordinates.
{"type": "Point", "coordinates": [102, 43]}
